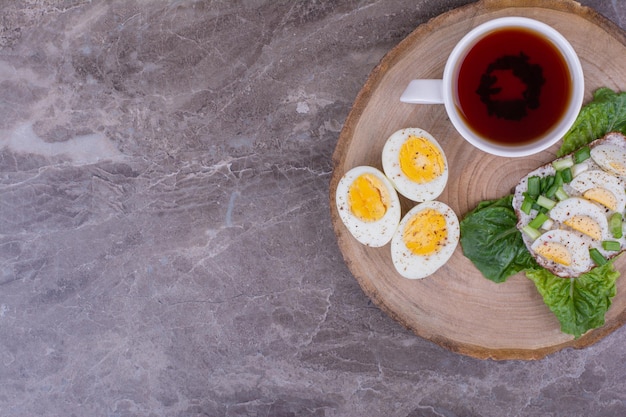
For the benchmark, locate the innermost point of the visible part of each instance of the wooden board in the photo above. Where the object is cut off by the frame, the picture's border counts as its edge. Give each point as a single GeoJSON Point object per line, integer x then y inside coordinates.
{"type": "Point", "coordinates": [457, 307]}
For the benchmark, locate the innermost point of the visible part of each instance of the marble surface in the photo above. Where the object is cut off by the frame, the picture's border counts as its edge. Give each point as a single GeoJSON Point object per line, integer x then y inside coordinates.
{"type": "Point", "coordinates": [165, 238]}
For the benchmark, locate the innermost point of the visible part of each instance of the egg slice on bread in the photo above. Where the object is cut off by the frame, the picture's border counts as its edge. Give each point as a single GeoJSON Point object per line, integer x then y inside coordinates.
{"type": "Point", "coordinates": [581, 226]}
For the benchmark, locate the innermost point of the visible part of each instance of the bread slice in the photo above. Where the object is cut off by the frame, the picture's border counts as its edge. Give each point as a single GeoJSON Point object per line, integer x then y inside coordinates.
{"type": "Point", "coordinates": [582, 221]}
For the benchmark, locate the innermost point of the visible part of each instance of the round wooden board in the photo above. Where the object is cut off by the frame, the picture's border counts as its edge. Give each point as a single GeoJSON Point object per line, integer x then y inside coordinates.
{"type": "Point", "coordinates": [457, 307]}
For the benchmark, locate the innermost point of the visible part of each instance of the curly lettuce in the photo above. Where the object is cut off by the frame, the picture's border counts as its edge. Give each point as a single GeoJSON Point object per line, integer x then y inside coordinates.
{"type": "Point", "coordinates": [605, 113]}
{"type": "Point", "coordinates": [580, 303]}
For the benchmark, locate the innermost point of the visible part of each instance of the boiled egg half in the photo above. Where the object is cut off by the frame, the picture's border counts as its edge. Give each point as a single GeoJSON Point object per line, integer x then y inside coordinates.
{"type": "Point", "coordinates": [426, 238]}
{"type": "Point", "coordinates": [567, 250]}
{"type": "Point", "coordinates": [601, 187]}
{"type": "Point", "coordinates": [582, 216]}
{"type": "Point", "coordinates": [368, 205]}
{"type": "Point", "coordinates": [611, 157]}
{"type": "Point", "coordinates": [415, 164]}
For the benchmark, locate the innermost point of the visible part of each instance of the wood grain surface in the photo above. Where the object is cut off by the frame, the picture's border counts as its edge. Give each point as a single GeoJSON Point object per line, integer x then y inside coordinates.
{"type": "Point", "coordinates": [457, 307]}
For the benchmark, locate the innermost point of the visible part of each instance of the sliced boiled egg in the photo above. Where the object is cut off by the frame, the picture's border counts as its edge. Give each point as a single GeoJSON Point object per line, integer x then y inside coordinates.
{"type": "Point", "coordinates": [426, 238]}
{"type": "Point", "coordinates": [583, 216]}
{"type": "Point", "coordinates": [601, 187]}
{"type": "Point", "coordinates": [368, 205]}
{"type": "Point", "coordinates": [611, 158]}
{"type": "Point", "coordinates": [415, 164]}
{"type": "Point", "coordinates": [568, 252]}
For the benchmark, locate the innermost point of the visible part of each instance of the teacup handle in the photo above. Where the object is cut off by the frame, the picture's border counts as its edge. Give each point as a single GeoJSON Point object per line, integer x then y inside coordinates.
{"type": "Point", "coordinates": [427, 91]}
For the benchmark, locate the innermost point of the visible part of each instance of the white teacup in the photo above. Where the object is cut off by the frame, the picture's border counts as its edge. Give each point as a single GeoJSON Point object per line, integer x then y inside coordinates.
{"type": "Point", "coordinates": [494, 93]}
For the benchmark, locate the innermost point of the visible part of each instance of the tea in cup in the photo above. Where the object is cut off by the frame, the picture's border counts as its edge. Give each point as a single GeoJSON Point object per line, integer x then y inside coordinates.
{"type": "Point", "coordinates": [512, 86]}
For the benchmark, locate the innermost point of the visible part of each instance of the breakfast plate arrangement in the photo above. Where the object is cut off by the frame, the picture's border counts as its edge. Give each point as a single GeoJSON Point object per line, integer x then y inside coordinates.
{"type": "Point", "coordinates": [456, 306]}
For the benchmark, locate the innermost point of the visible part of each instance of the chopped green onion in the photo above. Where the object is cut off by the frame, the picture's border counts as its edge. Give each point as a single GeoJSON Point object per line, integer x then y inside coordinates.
{"type": "Point", "coordinates": [531, 232]}
{"type": "Point", "coordinates": [538, 221]}
{"type": "Point", "coordinates": [560, 194]}
{"type": "Point", "coordinates": [615, 225]}
{"type": "Point", "coordinates": [545, 202]}
{"type": "Point", "coordinates": [578, 169]}
{"type": "Point", "coordinates": [565, 162]}
{"type": "Point", "coordinates": [582, 154]}
{"type": "Point", "coordinates": [612, 245]}
{"type": "Point", "coordinates": [546, 183]}
{"type": "Point", "coordinates": [566, 175]}
{"type": "Point", "coordinates": [597, 257]}
{"type": "Point", "coordinates": [527, 204]}
{"type": "Point", "coordinates": [533, 186]}
{"type": "Point", "coordinates": [558, 178]}
{"type": "Point", "coordinates": [550, 192]}
{"type": "Point", "coordinates": [547, 225]}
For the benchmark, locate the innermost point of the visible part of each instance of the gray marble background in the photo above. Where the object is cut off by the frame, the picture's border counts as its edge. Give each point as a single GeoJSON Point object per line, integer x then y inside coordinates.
{"type": "Point", "coordinates": [165, 238]}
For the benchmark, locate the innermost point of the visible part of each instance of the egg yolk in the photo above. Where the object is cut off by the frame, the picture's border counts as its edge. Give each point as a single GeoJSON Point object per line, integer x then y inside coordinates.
{"type": "Point", "coordinates": [603, 196]}
{"type": "Point", "coordinates": [368, 198]}
{"type": "Point", "coordinates": [586, 225]}
{"type": "Point", "coordinates": [556, 252]}
{"type": "Point", "coordinates": [618, 167]}
{"type": "Point", "coordinates": [420, 160]}
{"type": "Point", "coordinates": [425, 233]}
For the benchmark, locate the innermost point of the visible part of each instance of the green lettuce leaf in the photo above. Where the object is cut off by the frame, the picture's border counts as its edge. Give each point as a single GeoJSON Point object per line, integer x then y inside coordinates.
{"type": "Point", "coordinates": [605, 113]}
{"type": "Point", "coordinates": [491, 240]}
{"type": "Point", "coordinates": [580, 304]}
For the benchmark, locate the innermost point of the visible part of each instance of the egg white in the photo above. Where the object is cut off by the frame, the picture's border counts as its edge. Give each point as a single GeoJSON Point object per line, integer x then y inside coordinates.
{"type": "Point", "coordinates": [405, 186]}
{"type": "Point", "coordinates": [413, 266]}
{"type": "Point", "coordinates": [377, 233]}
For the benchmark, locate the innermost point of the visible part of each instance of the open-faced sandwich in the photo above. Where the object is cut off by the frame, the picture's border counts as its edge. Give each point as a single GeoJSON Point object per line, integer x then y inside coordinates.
{"type": "Point", "coordinates": [571, 211]}
{"type": "Point", "coordinates": [562, 225]}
